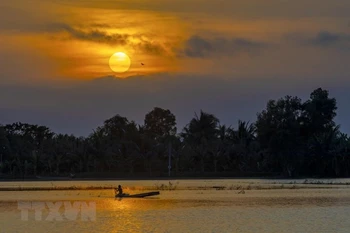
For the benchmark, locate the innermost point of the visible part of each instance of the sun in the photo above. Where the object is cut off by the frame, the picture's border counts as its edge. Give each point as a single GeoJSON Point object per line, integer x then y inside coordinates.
{"type": "Point", "coordinates": [119, 62]}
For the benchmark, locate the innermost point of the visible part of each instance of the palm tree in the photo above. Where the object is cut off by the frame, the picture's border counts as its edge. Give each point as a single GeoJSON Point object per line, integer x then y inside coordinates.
{"type": "Point", "coordinates": [177, 150]}
{"type": "Point", "coordinates": [324, 150]}
{"type": "Point", "coordinates": [220, 145]}
{"type": "Point", "coordinates": [243, 146]}
{"type": "Point", "coordinates": [98, 145]}
{"type": "Point", "coordinates": [245, 133]}
{"type": "Point", "coordinates": [200, 133]}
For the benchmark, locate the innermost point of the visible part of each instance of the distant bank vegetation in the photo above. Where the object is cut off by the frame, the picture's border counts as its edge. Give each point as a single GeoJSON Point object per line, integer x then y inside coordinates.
{"type": "Point", "coordinates": [290, 138]}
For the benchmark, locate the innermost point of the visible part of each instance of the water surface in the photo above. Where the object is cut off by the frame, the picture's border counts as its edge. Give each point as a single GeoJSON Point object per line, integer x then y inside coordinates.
{"type": "Point", "coordinates": [194, 206]}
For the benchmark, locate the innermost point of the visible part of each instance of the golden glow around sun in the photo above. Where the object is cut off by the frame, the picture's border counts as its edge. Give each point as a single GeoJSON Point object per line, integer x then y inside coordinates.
{"type": "Point", "coordinates": [119, 62]}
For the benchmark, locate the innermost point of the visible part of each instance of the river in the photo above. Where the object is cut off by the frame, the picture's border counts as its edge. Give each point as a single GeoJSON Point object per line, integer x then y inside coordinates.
{"type": "Point", "coordinates": [228, 205]}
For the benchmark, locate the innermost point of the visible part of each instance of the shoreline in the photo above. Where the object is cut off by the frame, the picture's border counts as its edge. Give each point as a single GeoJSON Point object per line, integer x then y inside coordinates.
{"type": "Point", "coordinates": [174, 184]}
{"type": "Point", "coordinates": [165, 178]}
{"type": "Point", "coordinates": [138, 179]}
{"type": "Point", "coordinates": [241, 188]}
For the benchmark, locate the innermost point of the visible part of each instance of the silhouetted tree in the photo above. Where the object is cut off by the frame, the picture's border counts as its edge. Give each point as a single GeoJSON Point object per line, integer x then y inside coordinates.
{"type": "Point", "coordinates": [289, 137]}
{"type": "Point", "coordinates": [278, 131]}
{"type": "Point", "coordinates": [200, 134]}
{"type": "Point", "coordinates": [160, 123]}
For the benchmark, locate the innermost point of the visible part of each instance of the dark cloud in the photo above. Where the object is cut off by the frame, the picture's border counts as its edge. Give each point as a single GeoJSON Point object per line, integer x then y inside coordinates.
{"type": "Point", "coordinates": [151, 47]}
{"type": "Point", "coordinates": [98, 36]}
{"type": "Point", "coordinates": [93, 35]}
{"type": "Point", "coordinates": [197, 46]}
{"type": "Point", "coordinates": [321, 39]}
{"type": "Point", "coordinates": [325, 39]}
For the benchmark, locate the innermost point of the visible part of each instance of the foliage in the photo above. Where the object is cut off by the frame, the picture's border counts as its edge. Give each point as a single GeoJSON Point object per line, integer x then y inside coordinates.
{"type": "Point", "coordinates": [289, 138]}
{"type": "Point", "coordinates": [160, 123]}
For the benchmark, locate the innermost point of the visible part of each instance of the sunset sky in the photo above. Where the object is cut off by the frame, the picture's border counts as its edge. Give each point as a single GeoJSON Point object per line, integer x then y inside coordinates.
{"type": "Point", "coordinates": [226, 57]}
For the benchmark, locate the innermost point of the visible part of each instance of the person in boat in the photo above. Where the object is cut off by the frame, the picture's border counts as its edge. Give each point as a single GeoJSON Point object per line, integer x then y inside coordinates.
{"type": "Point", "coordinates": [120, 190]}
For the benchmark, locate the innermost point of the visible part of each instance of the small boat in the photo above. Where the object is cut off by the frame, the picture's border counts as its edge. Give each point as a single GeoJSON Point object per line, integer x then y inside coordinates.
{"type": "Point", "coordinates": [140, 195]}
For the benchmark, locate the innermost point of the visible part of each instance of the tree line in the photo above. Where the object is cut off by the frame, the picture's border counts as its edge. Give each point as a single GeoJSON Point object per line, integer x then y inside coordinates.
{"type": "Point", "coordinates": [290, 138]}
